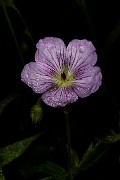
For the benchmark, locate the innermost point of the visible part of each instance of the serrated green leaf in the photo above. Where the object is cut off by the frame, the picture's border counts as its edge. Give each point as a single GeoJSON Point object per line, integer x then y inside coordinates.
{"type": "Point", "coordinates": [4, 102]}
{"type": "Point", "coordinates": [93, 154]}
{"type": "Point", "coordinates": [13, 151]}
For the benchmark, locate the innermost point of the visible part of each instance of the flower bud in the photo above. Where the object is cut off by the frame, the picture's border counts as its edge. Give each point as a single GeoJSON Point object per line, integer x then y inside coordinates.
{"type": "Point", "coordinates": [36, 113]}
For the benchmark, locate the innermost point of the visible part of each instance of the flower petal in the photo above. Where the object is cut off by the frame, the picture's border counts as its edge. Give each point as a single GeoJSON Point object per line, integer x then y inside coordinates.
{"type": "Point", "coordinates": [80, 53]}
{"type": "Point", "coordinates": [51, 51]}
{"type": "Point", "coordinates": [35, 78]}
{"type": "Point", "coordinates": [88, 82]}
{"type": "Point", "coordinates": [59, 97]}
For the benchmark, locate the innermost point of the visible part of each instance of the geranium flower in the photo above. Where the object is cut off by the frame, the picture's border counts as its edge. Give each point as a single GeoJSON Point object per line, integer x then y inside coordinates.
{"type": "Point", "coordinates": [62, 74]}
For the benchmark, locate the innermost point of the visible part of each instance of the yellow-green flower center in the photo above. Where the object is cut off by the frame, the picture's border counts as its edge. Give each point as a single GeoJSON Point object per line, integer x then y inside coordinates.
{"type": "Point", "coordinates": [64, 79]}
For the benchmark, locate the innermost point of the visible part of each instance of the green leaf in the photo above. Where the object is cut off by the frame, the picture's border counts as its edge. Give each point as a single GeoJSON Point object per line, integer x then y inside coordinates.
{"type": "Point", "coordinates": [93, 154]}
{"type": "Point", "coordinates": [74, 159]}
{"type": "Point", "coordinates": [52, 169]}
{"type": "Point", "coordinates": [113, 138]}
{"type": "Point", "coordinates": [4, 102]}
{"type": "Point", "coordinates": [13, 151]}
{"type": "Point", "coordinates": [74, 163]}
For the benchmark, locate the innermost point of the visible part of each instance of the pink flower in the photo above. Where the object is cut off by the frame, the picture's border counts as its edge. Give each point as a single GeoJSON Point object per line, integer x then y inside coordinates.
{"type": "Point", "coordinates": [62, 74]}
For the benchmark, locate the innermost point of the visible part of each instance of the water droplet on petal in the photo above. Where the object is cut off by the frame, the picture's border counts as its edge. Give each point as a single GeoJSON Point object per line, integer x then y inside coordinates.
{"type": "Point", "coordinates": [81, 49]}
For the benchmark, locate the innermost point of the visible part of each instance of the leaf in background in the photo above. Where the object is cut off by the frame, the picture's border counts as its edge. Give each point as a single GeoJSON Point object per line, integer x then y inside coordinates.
{"type": "Point", "coordinates": [74, 163]}
{"type": "Point", "coordinates": [46, 178]}
{"type": "Point", "coordinates": [113, 138]}
{"type": "Point", "coordinates": [4, 102]}
{"type": "Point", "coordinates": [112, 37]}
{"type": "Point", "coordinates": [95, 152]}
{"type": "Point", "coordinates": [82, 4]}
{"type": "Point", "coordinates": [74, 159]}
{"type": "Point", "coordinates": [54, 170]}
{"type": "Point", "coordinates": [13, 151]}
{"type": "Point", "coordinates": [8, 3]}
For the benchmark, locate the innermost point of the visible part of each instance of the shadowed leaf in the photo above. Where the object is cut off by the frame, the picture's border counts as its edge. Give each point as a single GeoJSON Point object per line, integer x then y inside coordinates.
{"type": "Point", "coordinates": [13, 151]}
{"type": "Point", "coordinates": [55, 171]}
{"type": "Point", "coordinates": [74, 159]}
{"type": "Point", "coordinates": [46, 178]}
{"type": "Point", "coordinates": [112, 138]}
{"type": "Point", "coordinates": [112, 37]}
{"type": "Point", "coordinates": [81, 3]}
{"type": "Point", "coordinates": [95, 152]}
{"type": "Point", "coordinates": [4, 102]}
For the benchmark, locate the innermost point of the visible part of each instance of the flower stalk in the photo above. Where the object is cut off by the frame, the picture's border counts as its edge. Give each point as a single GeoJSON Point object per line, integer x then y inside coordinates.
{"type": "Point", "coordinates": [68, 142]}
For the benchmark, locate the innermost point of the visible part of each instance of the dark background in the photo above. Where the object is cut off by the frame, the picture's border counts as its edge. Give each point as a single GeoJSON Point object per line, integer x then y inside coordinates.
{"type": "Point", "coordinates": [91, 117]}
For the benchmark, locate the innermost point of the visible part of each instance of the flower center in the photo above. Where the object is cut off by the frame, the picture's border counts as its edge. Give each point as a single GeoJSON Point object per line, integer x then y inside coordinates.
{"type": "Point", "coordinates": [63, 75]}
{"type": "Point", "coordinates": [64, 79]}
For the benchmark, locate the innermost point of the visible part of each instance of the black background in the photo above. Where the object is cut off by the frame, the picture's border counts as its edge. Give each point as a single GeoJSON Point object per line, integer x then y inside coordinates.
{"type": "Point", "coordinates": [91, 117]}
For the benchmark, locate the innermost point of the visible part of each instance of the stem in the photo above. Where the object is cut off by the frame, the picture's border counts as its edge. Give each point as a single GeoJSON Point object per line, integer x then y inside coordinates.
{"type": "Point", "coordinates": [68, 142]}
{"type": "Point", "coordinates": [12, 31]}
{"type": "Point", "coordinates": [26, 27]}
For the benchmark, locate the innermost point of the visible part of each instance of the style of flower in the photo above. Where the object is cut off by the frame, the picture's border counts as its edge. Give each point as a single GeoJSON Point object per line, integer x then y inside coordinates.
{"type": "Point", "coordinates": [62, 74]}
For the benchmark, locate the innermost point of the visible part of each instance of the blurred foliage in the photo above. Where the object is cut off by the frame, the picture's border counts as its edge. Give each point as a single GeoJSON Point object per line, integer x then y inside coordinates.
{"type": "Point", "coordinates": [5, 101]}
{"type": "Point", "coordinates": [8, 3]}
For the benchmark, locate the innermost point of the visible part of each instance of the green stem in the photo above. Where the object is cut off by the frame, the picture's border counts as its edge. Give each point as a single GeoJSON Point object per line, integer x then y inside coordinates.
{"type": "Point", "coordinates": [26, 27]}
{"type": "Point", "coordinates": [68, 142]}
{"type": "Point", "coordinates": [12, 31]}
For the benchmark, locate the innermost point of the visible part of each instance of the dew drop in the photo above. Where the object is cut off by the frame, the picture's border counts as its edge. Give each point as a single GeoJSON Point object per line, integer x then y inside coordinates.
{"type": "Point", "coordinates": [81, 49]}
